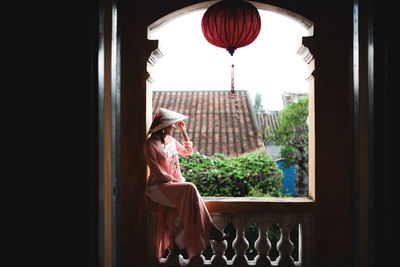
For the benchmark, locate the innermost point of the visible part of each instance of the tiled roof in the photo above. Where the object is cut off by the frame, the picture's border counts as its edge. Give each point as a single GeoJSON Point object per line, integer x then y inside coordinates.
{"type": "Point", "coordinates": [217, 122]}
{"type": "Point", "coordinates": [267, 119]}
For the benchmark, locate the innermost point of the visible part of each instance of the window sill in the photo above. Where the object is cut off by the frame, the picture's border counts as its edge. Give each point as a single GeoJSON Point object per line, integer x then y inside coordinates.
{"type": "Point", "coordinates": [259, 204]}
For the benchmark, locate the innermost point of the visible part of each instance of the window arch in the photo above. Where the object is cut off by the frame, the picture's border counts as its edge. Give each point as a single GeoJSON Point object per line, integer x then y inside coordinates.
{"type": "Point", "coordinates": [303, 51]}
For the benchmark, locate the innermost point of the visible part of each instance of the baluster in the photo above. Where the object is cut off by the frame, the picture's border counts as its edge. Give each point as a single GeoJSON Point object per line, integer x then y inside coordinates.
{"type": "Point", "coordinates": [240, 244]}
{"type": "Point", "coordinates": [219, 248]}
{"type": "Point", "coordinates": [284, 245]}
{"type": "Point", "coordinates": [173, 256]}
{"type": "Point", "coordinates": [262, 244]}
{"type": "Point", "coordinates": [198, 260]}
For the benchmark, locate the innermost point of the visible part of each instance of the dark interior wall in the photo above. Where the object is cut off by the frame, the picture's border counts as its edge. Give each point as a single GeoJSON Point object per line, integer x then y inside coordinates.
{"type": "Point", "coordinates": [93, 139]}
{"type": "Point", "coordinates": [382, 71]}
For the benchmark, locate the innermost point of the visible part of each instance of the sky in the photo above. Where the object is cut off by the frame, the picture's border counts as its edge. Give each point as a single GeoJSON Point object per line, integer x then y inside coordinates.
{"type": "Point", "coordinates": [269, 65]}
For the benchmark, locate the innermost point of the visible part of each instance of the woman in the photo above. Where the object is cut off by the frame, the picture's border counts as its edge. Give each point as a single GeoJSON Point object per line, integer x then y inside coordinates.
{"type": "Point", "coordinates": [183, 218]}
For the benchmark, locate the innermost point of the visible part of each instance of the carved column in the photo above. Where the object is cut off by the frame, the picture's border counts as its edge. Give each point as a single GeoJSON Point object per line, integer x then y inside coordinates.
{"type": "Point", "coordinates": [219, 248]}
{"type": "Point", "coordinates": [240, 244]}
{"type": "Point", "coordinates": [263, 244]}
{"type": "Point", "coordinates": [284, 245]}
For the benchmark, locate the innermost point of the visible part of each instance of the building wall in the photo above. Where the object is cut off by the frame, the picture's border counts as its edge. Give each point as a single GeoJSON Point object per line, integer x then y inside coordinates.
{"type": "Point", "coordinates": [288, 178]}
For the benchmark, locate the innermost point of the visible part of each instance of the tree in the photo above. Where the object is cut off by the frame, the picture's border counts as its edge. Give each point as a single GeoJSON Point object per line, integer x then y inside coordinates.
{"type": "Point", "coordinates": [258, 101]}
{"type": "Point", "coordinates": [292, 133]}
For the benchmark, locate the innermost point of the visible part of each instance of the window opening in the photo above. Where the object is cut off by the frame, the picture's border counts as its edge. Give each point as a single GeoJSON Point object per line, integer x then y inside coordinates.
{"type": "Point", "coordinates": [193, 80]}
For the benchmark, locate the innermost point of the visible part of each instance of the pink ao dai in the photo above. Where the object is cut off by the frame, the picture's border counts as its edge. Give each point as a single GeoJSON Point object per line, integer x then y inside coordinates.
{"type": "Point", "coordinates": [181, 213]}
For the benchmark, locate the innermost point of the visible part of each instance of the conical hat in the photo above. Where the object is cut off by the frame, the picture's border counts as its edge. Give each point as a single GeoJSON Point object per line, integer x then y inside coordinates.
{"type": "Point", "coordinates": [163, 118]}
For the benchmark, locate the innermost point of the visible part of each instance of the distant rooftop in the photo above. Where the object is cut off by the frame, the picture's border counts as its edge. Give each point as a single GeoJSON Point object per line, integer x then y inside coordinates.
{"type": "Point", "coordinates": [290, 97]}
{"type": "Point", "coordinates": [267, 119]}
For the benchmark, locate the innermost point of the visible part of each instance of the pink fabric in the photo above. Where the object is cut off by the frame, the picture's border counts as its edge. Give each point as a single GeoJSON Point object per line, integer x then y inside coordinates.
{"type": "Point", "coordinates": [183, 198]}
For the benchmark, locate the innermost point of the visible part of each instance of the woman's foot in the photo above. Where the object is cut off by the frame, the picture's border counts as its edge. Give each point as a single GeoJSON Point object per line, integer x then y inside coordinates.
{"type": "Point", "coordinates": [217, 235]}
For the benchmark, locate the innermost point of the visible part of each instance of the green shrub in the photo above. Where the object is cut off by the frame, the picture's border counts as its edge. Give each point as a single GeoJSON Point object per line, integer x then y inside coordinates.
{"type": "Point", "coordinates": [253, 174]}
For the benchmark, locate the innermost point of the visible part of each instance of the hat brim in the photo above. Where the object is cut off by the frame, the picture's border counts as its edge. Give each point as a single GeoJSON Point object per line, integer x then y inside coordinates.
{"type": "Point", "coordinates": [166, 124]}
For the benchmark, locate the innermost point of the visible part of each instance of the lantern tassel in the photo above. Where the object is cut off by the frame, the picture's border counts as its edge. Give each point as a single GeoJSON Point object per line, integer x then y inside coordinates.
{"type": "Point", "coordinates": [233, 79]}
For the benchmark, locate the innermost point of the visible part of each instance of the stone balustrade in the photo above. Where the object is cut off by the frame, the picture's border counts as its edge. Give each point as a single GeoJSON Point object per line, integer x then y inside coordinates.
{"type": "Point", "coordinates": [285, 219]}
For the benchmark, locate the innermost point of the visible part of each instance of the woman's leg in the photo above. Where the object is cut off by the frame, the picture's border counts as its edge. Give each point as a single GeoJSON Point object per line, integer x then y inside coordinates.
{"type": "Point", "coordinates": [193, 213]}
{"type": "Point", "coordinates": [154, 193]}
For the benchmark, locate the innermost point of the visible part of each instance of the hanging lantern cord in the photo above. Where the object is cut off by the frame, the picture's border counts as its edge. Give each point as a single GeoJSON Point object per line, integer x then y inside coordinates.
{"type": "Point", "coordinates": [233, 79]}
{"type": "Point", "coordinates": [233, 95]}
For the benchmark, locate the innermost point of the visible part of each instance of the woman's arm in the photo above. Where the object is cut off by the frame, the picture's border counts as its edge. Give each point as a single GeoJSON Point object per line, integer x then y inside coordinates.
{"type": "Point", "coordinates": [182, 127]}
{"type": "Point", "coordinates": [187, 147]}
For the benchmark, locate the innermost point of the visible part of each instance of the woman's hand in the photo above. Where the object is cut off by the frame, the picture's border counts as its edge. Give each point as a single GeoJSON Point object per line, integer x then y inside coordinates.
{"type": "Point", "coordinates": [181, 125]}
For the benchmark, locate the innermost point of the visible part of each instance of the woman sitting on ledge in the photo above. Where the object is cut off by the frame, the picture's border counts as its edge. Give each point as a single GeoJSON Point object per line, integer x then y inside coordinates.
{"type": "Point", "coordinates": [183, 218]}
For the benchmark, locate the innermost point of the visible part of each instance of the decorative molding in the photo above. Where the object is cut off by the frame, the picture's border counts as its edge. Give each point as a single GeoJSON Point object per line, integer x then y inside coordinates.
{"type": "Point", "coordinates": [305, 53]}
{"type": "Point", "coordinates": [155, 55]}
{"type": "Point", "coordinates": [308, 57]}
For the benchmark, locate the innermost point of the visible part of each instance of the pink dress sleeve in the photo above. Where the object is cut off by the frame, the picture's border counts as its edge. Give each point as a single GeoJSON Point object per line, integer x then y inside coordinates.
{"type": "Point", "coordinates": [156, 170]}
{"type": "Point", "coordinates": [186, 149]}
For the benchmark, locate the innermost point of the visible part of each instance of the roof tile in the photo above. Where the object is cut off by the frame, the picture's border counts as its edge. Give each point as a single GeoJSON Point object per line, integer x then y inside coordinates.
{"type": "Point", "coordinates": [217, 123]}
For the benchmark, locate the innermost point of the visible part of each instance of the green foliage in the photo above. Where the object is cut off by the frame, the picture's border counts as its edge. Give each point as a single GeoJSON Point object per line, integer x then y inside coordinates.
{"type": "Point", "coordinates": [253, 174]}
{"type": "Point", "coordinates": [292, 133]}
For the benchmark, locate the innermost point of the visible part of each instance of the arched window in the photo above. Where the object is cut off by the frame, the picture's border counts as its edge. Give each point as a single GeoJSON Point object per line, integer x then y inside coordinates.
{"type": "Point", "coordinates": [191, 76]}
{"type": "Point", "coordinates": [218, 123]}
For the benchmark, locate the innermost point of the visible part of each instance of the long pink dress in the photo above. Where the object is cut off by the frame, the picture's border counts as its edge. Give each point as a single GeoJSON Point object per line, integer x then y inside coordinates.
{"type": "Point", "coordinates": [181, 212]}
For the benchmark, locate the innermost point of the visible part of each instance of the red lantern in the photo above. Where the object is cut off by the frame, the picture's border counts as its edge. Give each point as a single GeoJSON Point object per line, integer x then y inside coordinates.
{"type": "Point", "coordinates": [231, 24]}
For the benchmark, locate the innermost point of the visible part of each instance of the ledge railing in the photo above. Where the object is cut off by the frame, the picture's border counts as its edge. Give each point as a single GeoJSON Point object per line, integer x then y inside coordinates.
{"type": "Point", "coordinates": [264, 213]}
